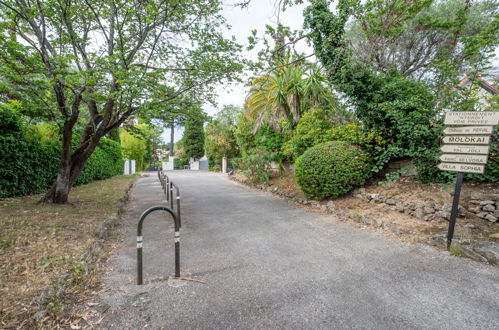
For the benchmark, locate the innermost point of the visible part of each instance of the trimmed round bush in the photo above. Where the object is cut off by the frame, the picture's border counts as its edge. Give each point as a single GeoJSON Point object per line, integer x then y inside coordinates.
{"type": "Point", "coordinates": [331, 169]}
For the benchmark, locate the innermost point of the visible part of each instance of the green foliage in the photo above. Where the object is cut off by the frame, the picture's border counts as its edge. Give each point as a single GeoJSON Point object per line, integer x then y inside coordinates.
{"type": "Point", "coordinates": [256, 166]}
{"type": "Point", "coordinates": [331, 169]}
{"type": "Point", "coordinates": [456, 249]}
{"type": "Point", "coordinates": [311, 130]}
{"type": "Point", "coordinates": [106, 161]}
{"type": "Point", "coordinates": [180, 162]}
{"type": "Point", "coordinates": [194, 134]}
{"type": "Point", "coordinates": [244, 132]}
{"type": "Point", "coordinates": [139, 142]}
{"type": "Point", "coordinates": [90, 65]}
{"type": "Point", "coordinates": [390, 105]}
{"type": "Point", "coordinates": [319, 126]}
{"type": "Point", "coordinates": [220, 140]}
{"type": "Point", "coordinates": [29, 165]}
{"type": "Point", "coordinates": [269, 139]}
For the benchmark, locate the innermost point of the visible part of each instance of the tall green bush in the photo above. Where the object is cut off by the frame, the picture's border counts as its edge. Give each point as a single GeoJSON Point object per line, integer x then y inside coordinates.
{"type": "Point", "coordinates": [29, 166]}
{"type": "Point", "coordinates": [331, 169]}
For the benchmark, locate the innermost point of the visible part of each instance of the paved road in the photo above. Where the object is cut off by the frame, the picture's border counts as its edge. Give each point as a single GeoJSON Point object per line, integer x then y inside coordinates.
{"type": "Point", "coordinates": [270, 265]}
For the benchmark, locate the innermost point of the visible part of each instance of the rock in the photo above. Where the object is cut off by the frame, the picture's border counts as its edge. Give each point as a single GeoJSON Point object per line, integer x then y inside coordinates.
{"type": "Point", "coordinates": [419, 213]}
{"type": "Point", "coordinates": [486, 202]}
{"type": "Point", "coordinates": [460, 209]}
{"type": "Point", "coordinates": [484, 196]}
{"type": "Point", "coordinates": [472, 254]}
{"type": "Point", "coordinates": [471, 226]}
{"type": "Point", "coordinates": [330, 205]}
{"type": "Point", "coordinates": [475, 201]}
{"type": "Point", "coordinates": [489, 208]}
{"type": "Point", "coordinates": [359, 191]}
{"type": "Point", "coordinates": [428, 210]}
{"type": "Point", "coordinates": [374, 197]}
{"type": "Point", "coordinates": [400, 207]}
{"type": "Point", "coordinates": [489, 250]}
{"type": "Point", "coordinates": [490, 217]}
{"type": "Point", "coordinates": [475, 209]}
{"type": "Point", "coordinates": [428, 217]}
{"type": "Point", "coordinates": [482, 215]}
{"type": "Point", "coordinates": [443, 214]}
{"type": "Point", "coordinates": [496, 235]}
{"type": "Point", "coordinates": [365, 220]}
{"type": "Point", "coordinates": [391, 201]}
{"type": "Point", "coordinates": [496, 213]}
{"type": "Point", "coordinates": [411, 206]}
{"type": "Point", "coordinates": [439, 239]}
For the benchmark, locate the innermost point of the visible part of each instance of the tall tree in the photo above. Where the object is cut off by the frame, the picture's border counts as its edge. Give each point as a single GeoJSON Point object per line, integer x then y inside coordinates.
{"type": "Point", "coordinates": [194, 133]}
{"type": "Point", "coordinates": [220, 140]}
{"type": "Point", "coordinates": [94, 63]}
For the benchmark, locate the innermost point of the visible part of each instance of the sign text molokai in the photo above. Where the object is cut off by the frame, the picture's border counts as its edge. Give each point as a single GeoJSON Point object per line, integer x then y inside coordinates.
{"type": "Point", "coordinates": [466, 139]}
{"type": "Point", "coordinates": [465, 150]}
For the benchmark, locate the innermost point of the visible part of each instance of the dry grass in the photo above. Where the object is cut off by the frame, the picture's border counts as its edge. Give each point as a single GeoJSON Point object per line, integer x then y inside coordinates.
{"type": "Point", "coordinates": [49, 252]}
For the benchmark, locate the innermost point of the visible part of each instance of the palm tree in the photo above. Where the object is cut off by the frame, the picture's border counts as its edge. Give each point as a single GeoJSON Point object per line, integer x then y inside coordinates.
{"type": "Point", "coordinates": [277, 97]}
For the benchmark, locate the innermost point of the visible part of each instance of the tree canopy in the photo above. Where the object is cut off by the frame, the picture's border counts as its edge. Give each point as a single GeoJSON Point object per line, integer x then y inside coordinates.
{"type": "Point", "coordinates": [90, 65]}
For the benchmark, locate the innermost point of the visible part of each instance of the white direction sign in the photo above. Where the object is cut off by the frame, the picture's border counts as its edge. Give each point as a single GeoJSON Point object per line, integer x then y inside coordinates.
{"type": "Point", "coordinates": [472, 118]}
{"type": "Point", "coordinates": [466, 139]}
{"type": "Point", "coordinates": [468, 130]}
{"type": "Point", "coordinates": [458, 158]}
{"type": "Point", "coordinates": [465, 168]}
{"type": "Point", "coordinates": [462, 149]}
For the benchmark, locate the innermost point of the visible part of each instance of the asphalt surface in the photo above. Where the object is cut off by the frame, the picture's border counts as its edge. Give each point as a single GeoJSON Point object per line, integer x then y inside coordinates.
{"type": "Point", "coordinates": [267, 264]}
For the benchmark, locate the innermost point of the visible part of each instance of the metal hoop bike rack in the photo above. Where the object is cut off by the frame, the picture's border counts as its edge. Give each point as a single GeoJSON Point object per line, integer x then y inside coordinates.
{"type": "Point", "coordinates": [168, 186]}
{"type": "Point", "coordinates": [140, 240]}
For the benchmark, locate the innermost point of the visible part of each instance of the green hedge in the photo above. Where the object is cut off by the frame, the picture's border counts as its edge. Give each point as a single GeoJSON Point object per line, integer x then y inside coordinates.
{"type": "Point", "coordinates": [29, 166]}
{"type": "Point", "coordinates": [180, 162]}
{"type": "Point", "coordinates": [106, 161]}
{"type": "Point", "coordinates": [331, 169]}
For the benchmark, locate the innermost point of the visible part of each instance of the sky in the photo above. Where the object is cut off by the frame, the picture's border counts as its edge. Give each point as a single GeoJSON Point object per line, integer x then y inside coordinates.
{"type": "Point", "coordinates": [242, 22]}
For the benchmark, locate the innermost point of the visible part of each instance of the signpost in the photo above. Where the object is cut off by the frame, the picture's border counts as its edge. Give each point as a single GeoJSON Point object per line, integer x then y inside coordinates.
{"type": "Point", "coordinates": [467, 139]}
{"type": "Point", "coordinates": [465, 150]}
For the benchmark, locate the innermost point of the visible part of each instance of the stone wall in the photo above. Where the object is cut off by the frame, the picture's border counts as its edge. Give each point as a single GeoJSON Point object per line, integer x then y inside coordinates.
{"type": "Point", "coordinates": [485, 206]}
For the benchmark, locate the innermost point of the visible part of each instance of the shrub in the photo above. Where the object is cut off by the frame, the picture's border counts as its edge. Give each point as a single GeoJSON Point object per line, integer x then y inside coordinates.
{"type": "Point", "coordinates": [180, 162]}
{"type": "Point", "coordinates": [29, 166]}
{"type": "Point", "coordinates": [331, 169]}
{"type": "Point", "coordinates": [256, 166]}
{"type": "Point", "coordinates": [106, 161]}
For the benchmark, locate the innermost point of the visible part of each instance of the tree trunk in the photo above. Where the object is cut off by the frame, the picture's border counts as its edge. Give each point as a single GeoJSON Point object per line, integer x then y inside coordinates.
{"type": "Point", "coordinates": [70, 168]}
{"type": "Point", "coordinates": [172, 138]}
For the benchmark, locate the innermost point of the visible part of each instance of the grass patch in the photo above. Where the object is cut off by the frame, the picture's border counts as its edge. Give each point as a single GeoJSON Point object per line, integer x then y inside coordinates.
{"type": "Point", "coordinates": [45, 247]}
{"type": "Point", "coordinates": [456, 249]}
